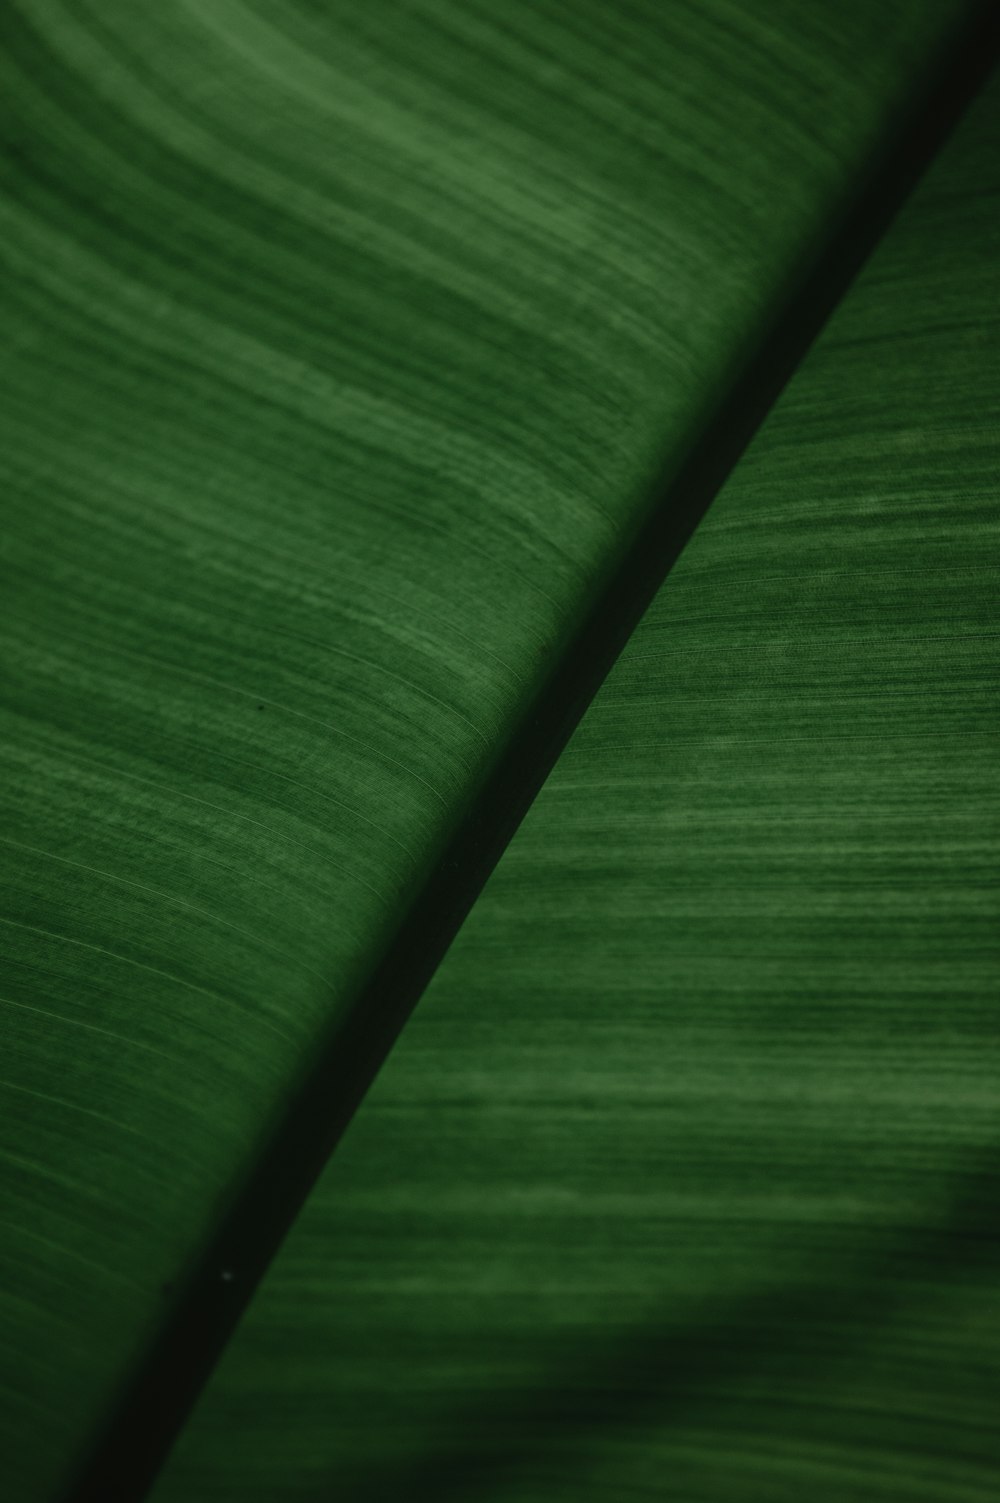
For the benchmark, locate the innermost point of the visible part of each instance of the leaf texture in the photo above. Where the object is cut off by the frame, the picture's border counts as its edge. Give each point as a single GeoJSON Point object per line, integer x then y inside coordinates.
{"type": "Point", "coordinates": [345, 352]}
{"type": "Point", "coordinates": [682, 1182]}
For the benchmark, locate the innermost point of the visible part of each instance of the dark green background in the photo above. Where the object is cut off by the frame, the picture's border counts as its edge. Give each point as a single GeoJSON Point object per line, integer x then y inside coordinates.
{"type": "Point", "coordinates": [345, 354]}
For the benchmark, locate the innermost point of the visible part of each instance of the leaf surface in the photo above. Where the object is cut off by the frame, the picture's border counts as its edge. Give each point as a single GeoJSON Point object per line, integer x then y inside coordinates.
{"type": "Point", "coordinates": [682, 1181]}
{"type": "Point", "coordinates": [346, 351]}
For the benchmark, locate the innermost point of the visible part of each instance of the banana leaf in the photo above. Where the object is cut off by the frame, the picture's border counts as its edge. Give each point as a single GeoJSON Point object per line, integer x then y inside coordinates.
{"type": "Point", "coordinates": [683, 1180]}
{"type": "Point", "coordinates": [364, 370]}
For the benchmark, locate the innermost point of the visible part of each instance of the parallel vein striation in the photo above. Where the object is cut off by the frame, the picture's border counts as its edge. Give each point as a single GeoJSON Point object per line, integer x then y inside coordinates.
{"type": "Point", "coordinates": [683, 1180]}
{"type": "Point", "coordinates": [342, 351]}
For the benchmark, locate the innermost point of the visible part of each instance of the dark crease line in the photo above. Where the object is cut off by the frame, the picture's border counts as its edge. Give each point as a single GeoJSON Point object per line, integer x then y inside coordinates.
{"type": "Point", "coordinates": [156, 1402]}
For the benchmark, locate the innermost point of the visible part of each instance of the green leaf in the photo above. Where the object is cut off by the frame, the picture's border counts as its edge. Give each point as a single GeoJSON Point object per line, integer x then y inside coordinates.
{"type": "Point", "coordinates": [347, 354]}
{"type": "Point", "coordinates": [682, 1181]}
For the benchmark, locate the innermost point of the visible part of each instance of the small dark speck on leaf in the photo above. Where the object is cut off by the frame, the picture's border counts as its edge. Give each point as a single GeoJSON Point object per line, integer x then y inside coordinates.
{"type": "Point", "coordinates": [260, 707]}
